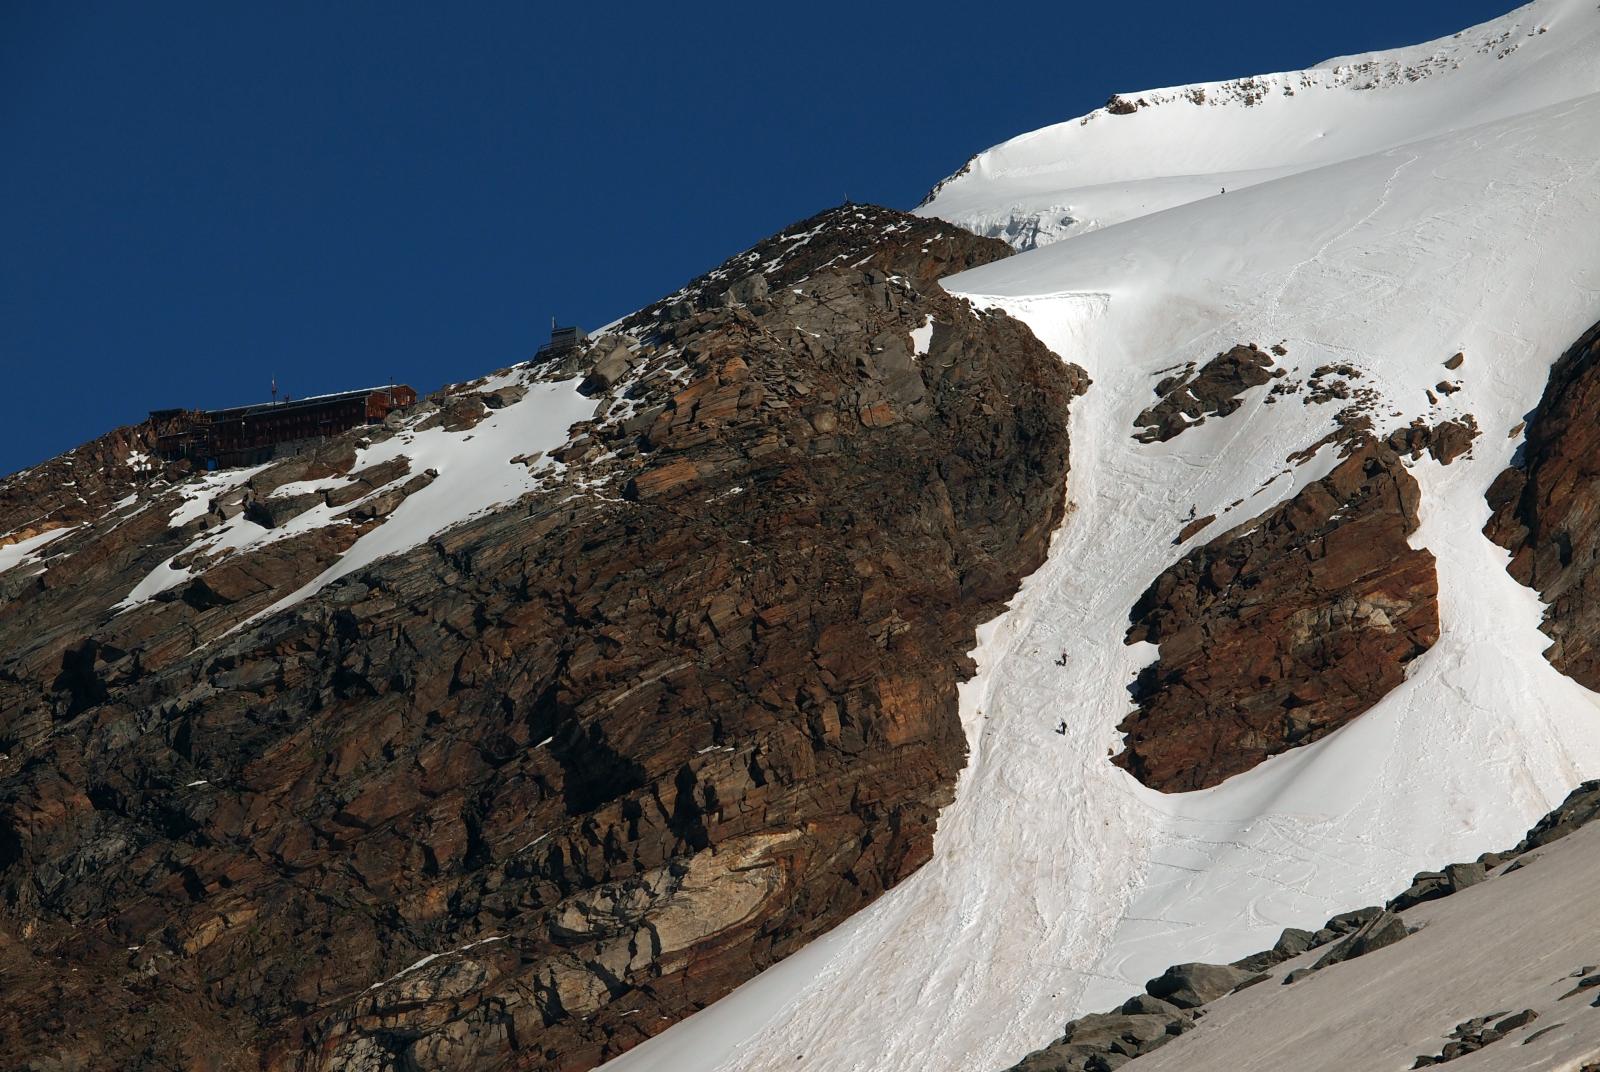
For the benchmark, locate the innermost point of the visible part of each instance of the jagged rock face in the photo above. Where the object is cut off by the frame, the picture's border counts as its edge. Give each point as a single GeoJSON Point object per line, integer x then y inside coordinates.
{"type": "Point", "coordinates": [1546, 511]}
{"type": "Point", "coordinates": [607, 751]}
{"type": "Point", "coordinates": [1282, 630]}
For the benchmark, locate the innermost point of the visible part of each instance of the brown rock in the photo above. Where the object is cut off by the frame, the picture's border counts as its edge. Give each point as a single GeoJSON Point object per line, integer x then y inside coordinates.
{"type": "Point", "coordinates": [1190, 396]}
{"type": "Point", "coordinates": [1444, 441]}
{"type": "Point", "coordinates": [1278, 632]}
{"type": "Point", "coordinates": [1193, 527]}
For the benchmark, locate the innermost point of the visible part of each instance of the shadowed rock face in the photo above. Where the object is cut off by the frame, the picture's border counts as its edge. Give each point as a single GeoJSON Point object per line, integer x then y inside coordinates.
{"type": "Point", "coordinates": [1547, 511]}
{"type": "Point", "coordinates": [1279, 632]}
{"type": "Point", "coordinates": [535, 790]}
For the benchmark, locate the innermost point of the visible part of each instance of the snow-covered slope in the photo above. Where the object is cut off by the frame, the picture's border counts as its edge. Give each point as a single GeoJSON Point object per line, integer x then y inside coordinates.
{"type": "Point", "coordinates": [1185, 143]}
{"type": "Point", "coordinates": [1448, 207]}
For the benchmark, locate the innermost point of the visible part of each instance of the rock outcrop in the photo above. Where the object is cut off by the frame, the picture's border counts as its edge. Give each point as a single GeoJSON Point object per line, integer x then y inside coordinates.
{"type": "Point", "coordinates": [1283, 629]}
{"type": "Point", "coordinates": [528, 793]}
{"type": "Point", "coordinates": [1189, 395]}
{"type": "Point", "coordinates": [1443, 442]}
{"type": "Point", "coordinates": [1546, 510]}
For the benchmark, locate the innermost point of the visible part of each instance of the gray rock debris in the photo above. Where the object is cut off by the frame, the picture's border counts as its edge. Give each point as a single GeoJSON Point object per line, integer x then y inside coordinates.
{"type": "Point", "coordinates": [1290, 944]}
{"type": "Point", "coordinates": [1106, 1040]}
{"type": "Point", "coordinates": [1470, 1036]}
{"type": "Point", "coordinates": [1103, 1041]}
{"type": "Point", "coordinates": [1345, 923]}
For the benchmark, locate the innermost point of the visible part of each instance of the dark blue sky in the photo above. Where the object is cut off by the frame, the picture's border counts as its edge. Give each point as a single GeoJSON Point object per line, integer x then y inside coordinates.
{"type": "Point", "coordinates": [196, 197]}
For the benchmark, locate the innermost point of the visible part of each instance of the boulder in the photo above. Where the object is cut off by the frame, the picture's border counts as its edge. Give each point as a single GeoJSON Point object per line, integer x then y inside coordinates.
{"type": "Point", "coordinates": [1384, 930]}
{"type": "Point", "coordinates": [274, 510]}
{"type": "Point", "coordinates": [363, 482]}
{"type": "Point", "coordinates": [749, 290]}
{"type": "Point", "coordinates": [613, 364]}
{"type": "Point", "coordinates": [501, 397]}
{"type": "Point", "coordinates": [1291, 943]}
{"type": "Point", "coordinates": [1425, 886]}
{"type": "Point", "coordinates": [1189, 986]}
{"type": "Point", "coordinates": [1145, 1005]}
{"type": "Point", "coordinates": [387, 501]}
{"type": "Point", "coordinates": [1353, 920]}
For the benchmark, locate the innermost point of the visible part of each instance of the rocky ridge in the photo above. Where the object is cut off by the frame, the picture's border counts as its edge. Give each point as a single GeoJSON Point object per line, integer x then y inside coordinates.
{"type": "Point", "coordinates": [535, 789]}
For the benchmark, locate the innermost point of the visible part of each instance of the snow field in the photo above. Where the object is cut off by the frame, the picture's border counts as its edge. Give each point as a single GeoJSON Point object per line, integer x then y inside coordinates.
{"type": "Point", "coordinates": [1103, 169]}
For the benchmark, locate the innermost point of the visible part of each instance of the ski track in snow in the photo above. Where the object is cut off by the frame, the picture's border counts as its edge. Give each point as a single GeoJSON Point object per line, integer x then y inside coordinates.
{"type": "Point", "coordinates": [1058, 883]}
